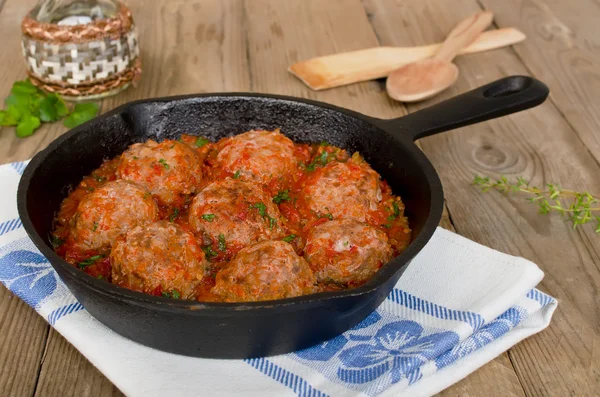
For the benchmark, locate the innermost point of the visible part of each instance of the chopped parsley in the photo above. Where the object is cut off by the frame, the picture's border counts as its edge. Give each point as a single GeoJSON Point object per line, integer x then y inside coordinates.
{"type": "Point", "coordinates": [324, 158]}
{"type": "Point", "coordinates": [346, 243]}
{"type": "Point", "coordinates": [164, 163]}
{"type": "Point", "coordinates": [174, 294]}
{"type": "Point", "coordinates": [100, 277]}
{"type": "Point", "coordinates": [201, 141]}
{"type": "Point", "coordinates": [136, 158]}
{"type": "Point", "coordinates": [99, 178]}
{"type": "Point", "coordinates": [395, 212]}
{"type": "Point", "coordinates": [95, 227]}
{"type": "Point", "coordinates": [236, 175]}
{"type": "Point", "coordinates": [90, 189]}
{"type": "Point", "coordinates": [282, 196]}
{"type": "Point", "coordinates": [89, 261]}
{"type": "Point", "coordinates": [174, 215]}
{"type": "Point", "coordinates": [262, 210]}
{"type": "Point", "coordinates": [209, 252]}
{"type": "Point", "coordinates": [289, 239]}
{"type": "Point", "coordinates": [222, 243]}
{"type": "Point", "coordinates": [56, 242]}
{"type": "Point", "coordinates": [324, 143]}
{"type": "Point", "coordinates": [208, 217]}
{"type": "Point", "coordinates": [146, 195]}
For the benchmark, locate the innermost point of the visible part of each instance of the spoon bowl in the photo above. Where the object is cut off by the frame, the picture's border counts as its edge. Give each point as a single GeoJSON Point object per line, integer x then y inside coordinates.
{"type": "Point", "coordinates": [421, 80]}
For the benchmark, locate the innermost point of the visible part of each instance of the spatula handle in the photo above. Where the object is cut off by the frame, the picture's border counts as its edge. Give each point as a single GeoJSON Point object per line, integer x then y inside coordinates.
{"type": "Point", "coordinates": [464, 34]}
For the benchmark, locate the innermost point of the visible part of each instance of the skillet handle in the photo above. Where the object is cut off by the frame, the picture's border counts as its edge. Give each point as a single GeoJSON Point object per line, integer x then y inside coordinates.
{"type": "Point", "coordinates": [505, 96]}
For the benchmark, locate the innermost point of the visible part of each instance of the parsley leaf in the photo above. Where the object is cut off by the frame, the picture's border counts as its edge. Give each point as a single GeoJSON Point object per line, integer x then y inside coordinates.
{"type": "Point", "coordinates": [262, 209]}
{"type": "Point", "coordinates": [289, 239]}
{"type": "Point", "coordinates": [27, 125]}
{"type": "Point", "coordinates": [52, 108]}
{"type": "Point", "coordinates": [208, 217]}
{"type": "Point", "coordinates": [222, 243]}
{"type": "Point", "coordinates": [324, 158]}
{"type": "Point", "coordinates": [174, 294]}
{"type": "Point", "coordinates": [89, 261]}
{"type": "Point", "coordinates": [201, 141]}
{"type": "Point", "coordinates": [164, 163]}
{"type": "Point", "coordinates": [174, 215]}
{"type": "Point", "coordinates": [57, 242]}
{"type": "Point", "coordinates": [81, 113]}
{"type": "Point", "coordinates": [209, 252]}
{"type": "Point", "coordinates": [282, 196]}
{"type": "Point", "coordinates": [236, 175]}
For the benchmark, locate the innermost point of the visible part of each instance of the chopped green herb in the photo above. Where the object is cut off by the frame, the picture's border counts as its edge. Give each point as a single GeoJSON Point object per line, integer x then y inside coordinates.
{"type": "Point", "coordinates": [262, 209]}
{"type": "Point", "coordinates": [174, 215]}
{"type": "Point", "coordinates": [272, 221]}
{"type": "Point", "coordinates": [311, 167]}
{"type": "Point", "coordinates": [57, 242]}
{"type": "Point", "coordinates": [387, 226]}
{"type": "Point", "coordinates": [146, 195]}
{"type": "Point", "coordinates": [136, 158]}
{"type": "Point", "coordinates": [164, 163]}
{"type": "Point", "coordinates": [208, 217]}
{"type": "Point", "coordinates": [100, 277]}
{"type": "Point", "coordinates": [327, 215]}
{"type": "Point", "coordinates": [90, 189]}
{"type": "Point", "coordinates": [99, 178]}
{"type": "Point", "coordinates": [282, 196]}
{"type": "Point", "coordinates": [324, 158]}
{"type": "Point", "coordinates": [289, 239]}
{"type": "Point", "coordinates": [396, 209]}
{"type": "Point", "coordinates": [346, 243]}
{"type": "Point", "coordinates": [324, 143]}
{"type": "Point", "coordinates": [209, 252]}
{"type": "Point", "coordinates": [95, 227]}
{"type": "Point", "coordinates": [201, 141]}
{"type": "Point", "coordinates": [236, 175]}
{"type": "Point", "coordinates": [90, 261]}
{"type": "Point", "coordinates": [222, 243]}
{"type": "Point", "coordinates": [175, 294]}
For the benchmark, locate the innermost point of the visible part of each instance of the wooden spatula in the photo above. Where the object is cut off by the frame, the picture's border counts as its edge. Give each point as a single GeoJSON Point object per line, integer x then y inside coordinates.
{"type": "Point", "coordinates": [373, 63]}
{"type": "Point", "coordinates": [423, 79]}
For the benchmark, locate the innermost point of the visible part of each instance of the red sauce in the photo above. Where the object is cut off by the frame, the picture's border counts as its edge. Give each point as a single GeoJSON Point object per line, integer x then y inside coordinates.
{"type": "Point", "coordinates": [298, 220]}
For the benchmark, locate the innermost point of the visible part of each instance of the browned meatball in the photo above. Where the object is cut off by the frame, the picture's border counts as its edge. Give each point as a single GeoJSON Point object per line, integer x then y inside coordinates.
{"type": "Point", "coordinates": [234, 213]}
{"type": "Point", "coordinates": [264, 271]}
{"type": "Point", "coordinates": [343, 190]}
{"type": "Point", "coordinates": [346, 251]}
{"type": "Point", "coordinates": [158, 258]}
{"type": "Point", "coordinates": [170, 169]}
{"type": "Point", "coordinates": [259, 156]}
{"type": "Point", "coordinates": [110, 211]}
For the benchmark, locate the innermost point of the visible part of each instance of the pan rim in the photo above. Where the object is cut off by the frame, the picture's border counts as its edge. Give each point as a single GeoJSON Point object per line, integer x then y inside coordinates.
{"type": "Point", "coordinates": [201, 308]}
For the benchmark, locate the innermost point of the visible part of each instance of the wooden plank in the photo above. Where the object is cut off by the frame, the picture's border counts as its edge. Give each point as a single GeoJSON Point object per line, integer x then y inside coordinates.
{"type": "Point", "coordinates": [22, 343]}
{"type": "Point", "coordinates": [332, 30]}
{"type": "Point", "coordinates": [187, 47]}
{"type": "Point", "coordinates": [561, 360]}
{"type": "Point", "coordinates": [562, 49]}
{"type": "Point", "coordinates": [65, 372]}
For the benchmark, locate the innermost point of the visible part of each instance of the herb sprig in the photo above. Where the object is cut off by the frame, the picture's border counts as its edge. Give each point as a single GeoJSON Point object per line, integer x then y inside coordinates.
{"type": "Point", "coordinates": [578, 207]}
{"type": "Point", "coordinates": [27, 107]}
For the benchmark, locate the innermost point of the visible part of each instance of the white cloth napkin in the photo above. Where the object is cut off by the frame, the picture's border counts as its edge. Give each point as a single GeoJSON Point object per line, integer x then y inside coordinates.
{"type": "Point", "coordinates": [457, 306]}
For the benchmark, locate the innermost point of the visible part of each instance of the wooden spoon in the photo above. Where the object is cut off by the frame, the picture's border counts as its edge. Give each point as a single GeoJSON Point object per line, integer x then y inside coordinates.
{"type": "Point", "coordinates": [423, 79]}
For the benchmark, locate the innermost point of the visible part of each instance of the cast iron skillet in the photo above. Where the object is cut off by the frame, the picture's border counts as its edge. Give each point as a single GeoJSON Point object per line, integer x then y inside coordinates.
{"type": "Point", "coordinates": [239, 330]}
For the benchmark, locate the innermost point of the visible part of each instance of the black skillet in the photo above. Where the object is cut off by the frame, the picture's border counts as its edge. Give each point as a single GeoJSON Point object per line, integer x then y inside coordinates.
{"type": "Point", "coordinates": [239, 330]}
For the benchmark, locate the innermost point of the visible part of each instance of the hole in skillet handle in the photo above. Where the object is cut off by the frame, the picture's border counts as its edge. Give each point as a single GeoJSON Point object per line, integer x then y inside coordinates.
{"type": "Point", "coordinates": [508, 88]}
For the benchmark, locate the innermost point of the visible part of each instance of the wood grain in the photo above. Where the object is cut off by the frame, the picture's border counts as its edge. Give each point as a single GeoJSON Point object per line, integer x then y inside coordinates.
{"type": "Point", "coordinates": [561, 360]}
{"type": "Point", "coordinates": [563, 50]}
{"type": "Point", "coordinates": [23, 336]}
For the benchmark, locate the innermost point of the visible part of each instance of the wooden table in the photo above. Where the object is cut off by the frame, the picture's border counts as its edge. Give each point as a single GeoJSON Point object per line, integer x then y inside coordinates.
{"type": "Point", "coordinates": [214, 45]}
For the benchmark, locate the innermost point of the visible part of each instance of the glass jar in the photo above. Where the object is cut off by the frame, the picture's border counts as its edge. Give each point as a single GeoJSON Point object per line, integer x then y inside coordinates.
{"type": "Point", "coordinates": [81, 49]}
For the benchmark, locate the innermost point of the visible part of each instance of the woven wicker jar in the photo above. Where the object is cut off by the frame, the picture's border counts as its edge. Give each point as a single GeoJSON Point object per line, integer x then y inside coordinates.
{"type": "Point", "coordinates": [82, 61]}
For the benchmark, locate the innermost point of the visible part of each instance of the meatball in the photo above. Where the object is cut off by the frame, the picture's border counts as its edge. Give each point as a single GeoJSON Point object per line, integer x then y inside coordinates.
{"type": "Point", "coordinates": [170, 169]}
{"type": "Point", "coordinates": [342, 190]}
{"type": "Point", "coordinates": [158, 258]}
{"type": "Point", "coordinates": [346, 251]}
{"type": "Point", "coordinates": [235, 214]}
{"type": "Point", "coordinates": [264, 271]}
{"type": "Point", "coordinates": [258, 156]}
{"type": "Point", "coordinates": [108, 212]}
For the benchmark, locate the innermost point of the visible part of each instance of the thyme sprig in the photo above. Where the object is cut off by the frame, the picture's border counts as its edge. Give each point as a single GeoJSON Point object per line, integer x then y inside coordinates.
{"type": "Point", "coordinates": [578, 207]}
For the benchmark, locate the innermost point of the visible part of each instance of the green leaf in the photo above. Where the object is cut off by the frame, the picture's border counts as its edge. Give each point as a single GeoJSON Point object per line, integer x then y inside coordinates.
{"type": "Point", "coordinates": [19, 100]}
{"type": "Point", "coordinates": [289, 239]}
{"type": "Point", "coordinates": [208, 217]}
{"type": "Point", "coordinates": [236, 175]}
{"type": "Point", "coordinates": [27, 125]}
{"type": "Point", "coordinates": [24, 87]}
{"type": "Point", "coordinates": [52, 108]}
{"type": "Point", "coordinates": [10, 116]}
{"type": "Point", "coordinates": [83, 112]}
{"type": "Point", "coordinates": [282, 195]}
{"type": "Point", "coordinates": [222, 243]}
{"type": "Point", "coordinates": [201, 141]}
